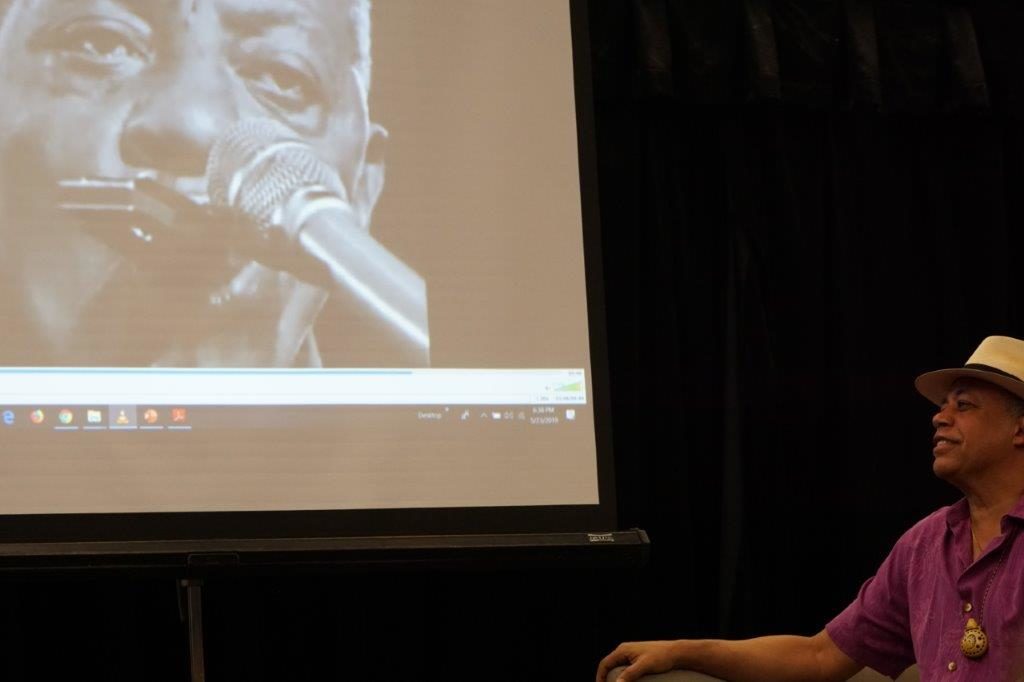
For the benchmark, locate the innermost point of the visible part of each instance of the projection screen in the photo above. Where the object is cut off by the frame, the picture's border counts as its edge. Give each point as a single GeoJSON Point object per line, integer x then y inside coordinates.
{"type": "Point", "coordinates": [279, 267]}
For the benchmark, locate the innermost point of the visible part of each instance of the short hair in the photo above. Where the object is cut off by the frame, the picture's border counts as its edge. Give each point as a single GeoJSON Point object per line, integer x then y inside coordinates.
{"type": "Point", "coordinates": [359, 21]}
{"type": "Point", "coordinates": [1015, 404]}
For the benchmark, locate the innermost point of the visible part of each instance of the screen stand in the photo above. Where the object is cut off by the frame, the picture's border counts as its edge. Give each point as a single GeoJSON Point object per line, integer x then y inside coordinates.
{"type": "Point", "coordinates": [190, 606]}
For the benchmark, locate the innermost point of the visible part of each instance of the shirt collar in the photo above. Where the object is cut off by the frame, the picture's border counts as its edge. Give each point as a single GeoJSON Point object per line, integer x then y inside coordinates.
{"type": "Point", "coordinates": [959, 512]}
{"type": "Point", "coordinates": [1017, 513]}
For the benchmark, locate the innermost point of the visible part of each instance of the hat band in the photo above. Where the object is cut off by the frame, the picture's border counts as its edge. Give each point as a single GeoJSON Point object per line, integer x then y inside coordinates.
{"type": "Point", "coordinates": [988, 368]}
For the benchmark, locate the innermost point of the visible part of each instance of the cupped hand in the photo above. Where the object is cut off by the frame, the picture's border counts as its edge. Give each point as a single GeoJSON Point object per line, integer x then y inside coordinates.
{"type": "Point", "coordinates": [642, 658]}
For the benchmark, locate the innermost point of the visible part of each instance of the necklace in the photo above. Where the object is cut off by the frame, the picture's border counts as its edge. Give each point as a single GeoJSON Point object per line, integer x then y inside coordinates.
{"type": "Point", "coordinates": [974, 643]}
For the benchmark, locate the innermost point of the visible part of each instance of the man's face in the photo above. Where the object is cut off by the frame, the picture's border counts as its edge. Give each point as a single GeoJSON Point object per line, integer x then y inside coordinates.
{"type": "Point", "coordinates": [118, 87]}
{"type": "Point", "coordinates": [975, 433]}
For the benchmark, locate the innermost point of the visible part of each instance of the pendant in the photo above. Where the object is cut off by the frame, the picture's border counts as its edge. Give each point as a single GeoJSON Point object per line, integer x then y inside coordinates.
{"type": "Point", "coordinates": [974, 643]}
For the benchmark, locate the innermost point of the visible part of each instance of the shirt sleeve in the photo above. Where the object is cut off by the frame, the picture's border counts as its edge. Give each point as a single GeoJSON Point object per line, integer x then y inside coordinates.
{"type": "Point", "coordinates": [874, 630]}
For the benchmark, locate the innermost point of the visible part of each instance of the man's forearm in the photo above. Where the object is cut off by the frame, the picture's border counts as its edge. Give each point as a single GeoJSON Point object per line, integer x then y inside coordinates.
{"type": "Point", "coordinates": [786, 658]}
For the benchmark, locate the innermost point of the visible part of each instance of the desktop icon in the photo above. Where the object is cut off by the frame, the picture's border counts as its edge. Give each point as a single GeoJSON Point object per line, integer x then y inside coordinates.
{"type": "Point", "coordinates": [151, 416]}
{"type": "Point", "coordinates": [37, 416]}
{"type": "Point", "coordinates": [179, 415]}
{"type": "Point", "coordinates": [122, 418]}
{"type": "Point", "coordinates": [9, 417]}
{"type": "Point", "coordinates": [66, 417]}
{"type": "Point", "coordinates": [570, 414]}
{"type": "Point", "coordinates": [94, 416]}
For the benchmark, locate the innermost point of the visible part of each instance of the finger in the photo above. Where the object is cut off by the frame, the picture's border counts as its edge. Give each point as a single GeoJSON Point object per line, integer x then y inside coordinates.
{"type": "Point", "coordinates": [633, 672]}
{"type": "Point", "coordinates": [610, 661]}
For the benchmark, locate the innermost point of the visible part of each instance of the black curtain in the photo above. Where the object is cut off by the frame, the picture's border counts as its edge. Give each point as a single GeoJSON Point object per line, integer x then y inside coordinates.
{"type": "Point", "coordinates": [804, 203]}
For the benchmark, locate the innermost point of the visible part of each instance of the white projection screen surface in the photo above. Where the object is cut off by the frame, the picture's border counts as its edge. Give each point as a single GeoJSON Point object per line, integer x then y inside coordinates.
{"type": "Point", "coordinates": [294, 256]}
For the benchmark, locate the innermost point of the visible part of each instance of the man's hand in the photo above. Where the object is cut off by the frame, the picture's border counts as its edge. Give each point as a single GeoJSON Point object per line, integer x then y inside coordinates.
{"type": "Point", "coordinates": [779, 658]}
{"type": "Point", "coordinates": [643, 658]}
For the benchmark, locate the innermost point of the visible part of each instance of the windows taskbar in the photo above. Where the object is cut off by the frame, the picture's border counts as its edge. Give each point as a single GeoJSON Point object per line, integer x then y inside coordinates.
{"type": "Point", "coordinates": [184, 418]}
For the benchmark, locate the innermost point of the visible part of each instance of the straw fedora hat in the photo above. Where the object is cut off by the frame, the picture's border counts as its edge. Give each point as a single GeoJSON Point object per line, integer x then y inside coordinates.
{"type": "Point", "coordinates": [998, 360]}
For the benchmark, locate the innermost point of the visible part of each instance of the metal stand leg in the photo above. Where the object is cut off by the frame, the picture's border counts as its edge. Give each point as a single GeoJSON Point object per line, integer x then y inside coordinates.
{"type": "Point", "coordinates": [192, 593]}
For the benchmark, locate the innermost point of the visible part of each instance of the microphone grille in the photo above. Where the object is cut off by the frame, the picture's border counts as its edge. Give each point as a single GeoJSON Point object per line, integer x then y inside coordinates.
{"type": "Point", "coordinates": [258, 163]}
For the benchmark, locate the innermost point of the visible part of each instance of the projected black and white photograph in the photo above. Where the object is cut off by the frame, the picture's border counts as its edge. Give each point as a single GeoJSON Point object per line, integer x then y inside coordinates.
{"type": "Point", "coordinates": [193, 184]}
{"type": "Point", "coordinates": [291, 255]}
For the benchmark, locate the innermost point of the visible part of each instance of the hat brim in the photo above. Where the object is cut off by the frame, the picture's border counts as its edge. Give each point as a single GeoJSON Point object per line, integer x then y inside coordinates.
{"type": "Point", "coordinates": [935, 385]}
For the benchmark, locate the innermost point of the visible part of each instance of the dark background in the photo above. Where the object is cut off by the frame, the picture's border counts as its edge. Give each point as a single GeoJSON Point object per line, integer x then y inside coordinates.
{"type": "Point", "coordinates": [805, 203]}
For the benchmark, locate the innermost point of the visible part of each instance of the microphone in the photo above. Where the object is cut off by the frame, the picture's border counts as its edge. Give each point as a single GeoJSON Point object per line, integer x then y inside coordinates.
{"type": "Point", "coordinates": [299, 208]}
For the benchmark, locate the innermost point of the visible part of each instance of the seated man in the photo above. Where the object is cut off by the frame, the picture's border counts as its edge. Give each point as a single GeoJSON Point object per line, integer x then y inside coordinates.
{"type": "Point", "coordinates": [950, 595]}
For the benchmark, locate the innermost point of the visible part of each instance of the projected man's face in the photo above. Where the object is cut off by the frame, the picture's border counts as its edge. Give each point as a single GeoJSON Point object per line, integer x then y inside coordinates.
{"type": "Point", "coordinates": [116, 88]}
{"type": "Point", "coordinates": [112, 87]}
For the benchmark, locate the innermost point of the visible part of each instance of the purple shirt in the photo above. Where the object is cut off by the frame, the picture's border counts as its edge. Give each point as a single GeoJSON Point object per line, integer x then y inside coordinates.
{"type": "Point", "coordinates": [916, 606]}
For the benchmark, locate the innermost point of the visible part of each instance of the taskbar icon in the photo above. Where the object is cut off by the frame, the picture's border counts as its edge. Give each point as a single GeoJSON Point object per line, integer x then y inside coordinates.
{"type": "Point", "coordinates": [96, 418]}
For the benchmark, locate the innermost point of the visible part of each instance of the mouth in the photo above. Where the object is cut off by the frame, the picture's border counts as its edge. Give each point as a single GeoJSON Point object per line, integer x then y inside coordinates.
{"type": "Point", "coordinates": [942, 444]}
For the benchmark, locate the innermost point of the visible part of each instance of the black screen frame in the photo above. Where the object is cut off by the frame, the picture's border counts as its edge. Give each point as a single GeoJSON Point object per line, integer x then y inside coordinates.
{"type": "Point", "coordinates": [283, 527]}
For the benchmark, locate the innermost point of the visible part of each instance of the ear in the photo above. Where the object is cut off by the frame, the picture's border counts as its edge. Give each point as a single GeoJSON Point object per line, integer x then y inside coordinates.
{"type": "Point", "coordinates": [1018, 434]}
{"type": "Point", "coordinates": [370, 183]}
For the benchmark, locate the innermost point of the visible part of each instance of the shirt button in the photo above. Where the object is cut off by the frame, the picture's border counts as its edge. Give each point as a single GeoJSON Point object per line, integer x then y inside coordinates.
{"type": "Point", "coordinates": [967, 607]}
{"type": "Point", "coordinates": [951, 666]}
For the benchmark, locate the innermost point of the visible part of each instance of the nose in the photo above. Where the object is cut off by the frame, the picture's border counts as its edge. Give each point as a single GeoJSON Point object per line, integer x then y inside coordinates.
{"type": "Point", "coordinates": [941, 418]}
{"type": "Point", "coordinates": [174, 126]}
